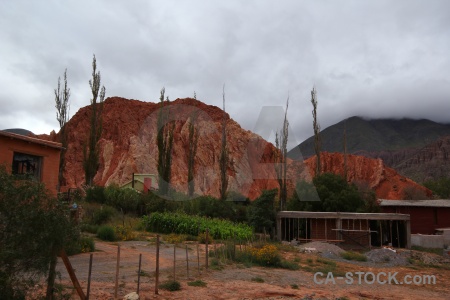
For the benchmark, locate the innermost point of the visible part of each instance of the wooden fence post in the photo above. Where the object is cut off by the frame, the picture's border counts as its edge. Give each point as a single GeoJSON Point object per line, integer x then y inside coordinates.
{"type": "Point", "coordinates": [198, 260]}
{"type": "Point", "coordinates": [207, 238]}
{"type": "Point", "coordinates": [174, 261]}
{"type": "Point", "coordinates": [72, 275]}
{"type": "Point", "coordinates": [187, 262]}
{"type": "Point", "coordinates": [117, 272]}
{"type": "Point", "coordinates": [157, 265]}
{"type": "Point", "coordinates": [139, 273]}
{"type": "Point", "coordinates": [89, 277]}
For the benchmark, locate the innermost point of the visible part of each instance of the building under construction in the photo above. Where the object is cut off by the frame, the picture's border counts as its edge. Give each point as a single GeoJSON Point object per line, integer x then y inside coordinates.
{"type": "Point", "coordinates": [349, 230]}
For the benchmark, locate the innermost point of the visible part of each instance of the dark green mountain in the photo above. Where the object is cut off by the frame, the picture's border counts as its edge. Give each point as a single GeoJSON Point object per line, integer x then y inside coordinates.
{"type": "Point", "coordinates": [377, 138]}
{"type": "Point", "coordinates": [19, 131]}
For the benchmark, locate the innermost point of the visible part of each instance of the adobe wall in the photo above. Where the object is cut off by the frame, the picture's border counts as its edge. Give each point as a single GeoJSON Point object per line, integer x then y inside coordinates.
{"type": "Point", "coordinates": [50, 158]}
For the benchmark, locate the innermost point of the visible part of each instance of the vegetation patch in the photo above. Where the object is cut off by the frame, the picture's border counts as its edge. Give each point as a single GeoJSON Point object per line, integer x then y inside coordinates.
{"type": "Point", "coordinates": [437, 251]}
{"type": "Point", "coordinates": [350, 255]}
{"type": "Point", "coordinates": [257, 279]}
{"type": "Point", "coordinates": [106, 233]}
{"type": "Point", "coordinates": [182, 223]}
{"type": "Point", "coordinates": [171, 285]}
{"type": "Point", "coordinates": [199, 283]}
{"type": "Point", "coordinates": [124, 233]}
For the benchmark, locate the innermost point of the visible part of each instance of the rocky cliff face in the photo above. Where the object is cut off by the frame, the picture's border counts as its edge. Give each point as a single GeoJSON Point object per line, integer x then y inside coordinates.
{"type": "Point", "coordinates": [128, 145]}
{"type": "Point", "coordinates": [428, 163]}
{"type": "Point", "coordinates": [385, 181]}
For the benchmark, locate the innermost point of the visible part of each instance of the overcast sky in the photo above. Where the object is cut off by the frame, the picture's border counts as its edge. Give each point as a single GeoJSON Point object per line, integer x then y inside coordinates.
{"type": "Point", "coordinates": [367, 58]}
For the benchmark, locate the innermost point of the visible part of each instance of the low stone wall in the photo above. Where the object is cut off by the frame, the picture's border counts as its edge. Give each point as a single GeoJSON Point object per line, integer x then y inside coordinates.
{"type": "Point", "coordinates": [430, 241]}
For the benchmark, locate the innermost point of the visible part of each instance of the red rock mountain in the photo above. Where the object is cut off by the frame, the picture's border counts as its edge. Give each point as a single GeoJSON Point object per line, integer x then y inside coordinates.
{"type": "Point", "coordinates": [128, 145]}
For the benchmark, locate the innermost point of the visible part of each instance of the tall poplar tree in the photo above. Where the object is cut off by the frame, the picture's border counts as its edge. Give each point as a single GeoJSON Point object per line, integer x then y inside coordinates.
{"type": "Point", "coordinates": [281, 140]}
{"type": "Point", "coordinates": [91, 152]}
{"type": "Point", "coordinates": [316, 127]}
{"type": "Point", "coordinates": [224, 155]}
{"type": "Point", "coordinates": [62, 116]}
{"type": "Point", "coordinates": [192, 151]}
{"type": "Point", "coordinates": [164, 140]}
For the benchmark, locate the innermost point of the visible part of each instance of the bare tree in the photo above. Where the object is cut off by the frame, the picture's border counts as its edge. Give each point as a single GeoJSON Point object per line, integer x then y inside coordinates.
{"type": "Point", "coordinates": [164, 139]}
{"type": "Point", "coordinates": [281, 140]}
{"type": "Point", "coordinates": [345, 151]}
{"type": "Point", "coordinates": [91, 151]}
{"type": "Point", "coordinates": [316, 127]}
{"type": "Point", "coordinates": [224, 155]}
{"type": "Point", "coordinates": [62, 116]}
{"type": "Point", "coordinates": [192, 151]}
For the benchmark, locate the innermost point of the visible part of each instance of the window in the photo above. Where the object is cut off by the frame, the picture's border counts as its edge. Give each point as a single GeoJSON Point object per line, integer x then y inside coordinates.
{"type": "Point", "coordinates": [27, 165]}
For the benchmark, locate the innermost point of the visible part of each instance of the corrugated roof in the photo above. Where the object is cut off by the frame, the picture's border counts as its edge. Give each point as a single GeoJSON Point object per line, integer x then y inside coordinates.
{"type": "Point", "coordinates": [31, 139]}
{"type": "Point", "coordinates": [419, 203]}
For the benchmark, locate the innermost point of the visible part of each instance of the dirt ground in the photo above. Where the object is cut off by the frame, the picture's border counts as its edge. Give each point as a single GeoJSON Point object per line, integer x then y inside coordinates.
{"type": "Point", "coordinates": [234, 281]}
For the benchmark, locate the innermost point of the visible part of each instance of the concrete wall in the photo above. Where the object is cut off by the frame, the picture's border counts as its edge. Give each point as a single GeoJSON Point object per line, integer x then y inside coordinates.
{"type": "Point", "coordinates": [430, 241]}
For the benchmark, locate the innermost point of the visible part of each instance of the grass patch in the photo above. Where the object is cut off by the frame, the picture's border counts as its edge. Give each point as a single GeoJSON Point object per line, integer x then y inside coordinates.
{"type": "Point", "coordinates": [294, 286]}
{"type": "Point", "coordinates": [257, 279]}
{"type": "Point", "coordinates": [171, 285]}
{"type": "Point", "coordinates": [106, 233]}
{"type": "Point", "coordinates": [215, 265]}
{"type": "Point", "coordinates": [145, 274]}
{"type": "Point", "coordinates": [174, 238]}
{"type": "Point", "coordinates": [351, 255]}
{"type": "Point", "coordinates": [199, 283]}
{"type": "Point", "coordinates": [437, 251]}
{"type": "Point", "coordinates": [285, 264]}
{"type": "Point", "coordinates": [322, 265]}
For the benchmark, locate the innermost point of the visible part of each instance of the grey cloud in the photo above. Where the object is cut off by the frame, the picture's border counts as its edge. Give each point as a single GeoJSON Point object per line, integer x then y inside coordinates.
{"type": "Point", "coordinates": [371, 58]}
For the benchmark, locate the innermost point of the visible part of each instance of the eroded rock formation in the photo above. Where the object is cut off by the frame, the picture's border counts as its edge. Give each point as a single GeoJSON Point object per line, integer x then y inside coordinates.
{"type": "Point", "coordinates": [128, 145]}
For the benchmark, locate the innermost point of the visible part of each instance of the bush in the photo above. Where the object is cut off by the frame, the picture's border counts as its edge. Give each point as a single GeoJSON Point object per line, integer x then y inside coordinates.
{"type": "Point", "coordinates": [266, 256]}
{"type": "Point", "coordinates": [34, 227]}
{"type": "Point", "coordinates": [89, 228]}
{"type": "Point", "coordinates": [285, 264]}
{"type": "Point", "coordinates": [87, 244]}
{"type": "Point", "coordinates": [174, 238]}
{"type": "Point", "coordinates": [96, 194]}
{"type": "Point", "coordinates": [83, 245]}
{"type": "Point", "coordinates": [106, 233]}
{"type": "Point", "coordinates": [199, 283]}
{"type": "Point", "coordinates": [124, 233]}
{"type": "Point", "coordinates": [103, 215]}
{"type": "Point", "coordinates": [124, 199]}
{"type": "Point", "coordinates": [171, 285]}
{"type": "Point", "coordinates": [257, 279]}
{"type": "Point", "coordinates": [201, 238]}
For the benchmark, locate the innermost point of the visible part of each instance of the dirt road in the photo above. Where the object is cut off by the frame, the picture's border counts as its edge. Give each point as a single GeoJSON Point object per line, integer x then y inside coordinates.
{"type": "Point", "coordinates": [235, 281]}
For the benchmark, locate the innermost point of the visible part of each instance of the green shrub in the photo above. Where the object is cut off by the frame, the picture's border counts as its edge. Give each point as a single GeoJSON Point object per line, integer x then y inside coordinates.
{"type": "Point", "coordinates": [87, 244]}
{"type": "Point", "coordinates": [171, 285]}
{"type": "Point", "coordinates": [266, 256]}
{"type": "Point", "coordinates": [174, 238]}
{"type": "Point", "coordinates": [202, 238]}
{"type": "Point", "coordinates": [89, 228]}
{"type": "Point", "coordinates": [257, 279]}
{"type": "Point", "coordinates": [96, 194]}
{"type": "Point", "coordinates": [124, 233]}
{"type": "Point", "coordinates": [124, 199]}
{"type": "Point", "coordinates": [103, 215]}
{"type": "Point", "coordinates": [199, 283]}
{"type": "Point", "coordinates": [289, 265]}
{"type": "Point", "coordinates": [182, 223]}
{"type": "Point", "coordinates": [106, 233]}
{"type": "Point", "coordinates": [350, 255]}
